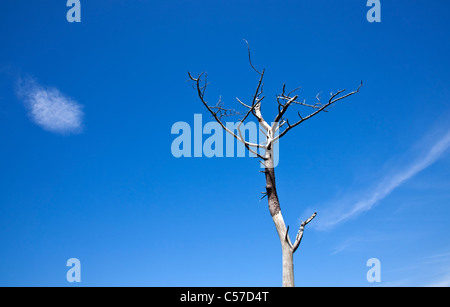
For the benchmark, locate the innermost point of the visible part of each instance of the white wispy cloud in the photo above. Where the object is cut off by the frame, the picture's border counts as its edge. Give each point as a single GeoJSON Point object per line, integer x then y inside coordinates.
{"type": "Point", "coordinates": [441, 264]}
{"type": "Point", "coordinates": [431, 271]}
{"type": "Point", "coordinates": [442, 282]}
{"type": "Point", "coordinates": [348, 207]}
{"type": "Point", "coordinates": [49, 108]}
{"type": "Point", "coordinates": [442, 275]}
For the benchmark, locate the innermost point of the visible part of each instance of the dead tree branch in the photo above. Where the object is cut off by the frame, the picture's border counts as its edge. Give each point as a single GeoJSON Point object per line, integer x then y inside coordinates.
{"type": "Point", "coordinates": [318, 107]}
{"type": "Point", "coordinates": [299, 236]}
{"type": "Point", "coordinates": [218, 111]}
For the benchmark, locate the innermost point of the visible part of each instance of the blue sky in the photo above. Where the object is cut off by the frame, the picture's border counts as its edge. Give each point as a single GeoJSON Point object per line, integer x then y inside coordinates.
{"type": "Point", "coordinates": [86, 168]}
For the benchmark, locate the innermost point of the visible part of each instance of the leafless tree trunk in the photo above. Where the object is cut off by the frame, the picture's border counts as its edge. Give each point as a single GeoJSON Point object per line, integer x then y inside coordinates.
{"type": "Point", "coordinates": [287, 248]}
{"type": "Point", "coordinates": [274, 132]}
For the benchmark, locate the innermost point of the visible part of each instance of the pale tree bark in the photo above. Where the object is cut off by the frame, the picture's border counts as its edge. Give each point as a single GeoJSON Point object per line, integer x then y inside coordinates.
{"type": "Point", "coordinates": [287, 248]}
{"type": "Point", "coordinates": [265, 152]}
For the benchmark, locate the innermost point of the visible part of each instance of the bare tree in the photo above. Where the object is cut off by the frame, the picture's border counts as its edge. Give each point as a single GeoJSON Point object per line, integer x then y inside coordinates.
{"type": "Point", "coordinates": [278, 129]}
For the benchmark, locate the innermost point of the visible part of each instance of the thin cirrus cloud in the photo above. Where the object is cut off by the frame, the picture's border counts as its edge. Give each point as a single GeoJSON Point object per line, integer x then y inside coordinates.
{"type": "Point", "coordinates": [350, 207]}
{"type": "Point", "coordinates": [49, 108]}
